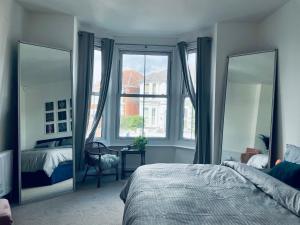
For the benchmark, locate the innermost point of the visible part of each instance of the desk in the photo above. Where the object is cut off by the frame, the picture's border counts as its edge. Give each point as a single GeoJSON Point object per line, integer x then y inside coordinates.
{"type": "Point", "coordinates": [124, 153]}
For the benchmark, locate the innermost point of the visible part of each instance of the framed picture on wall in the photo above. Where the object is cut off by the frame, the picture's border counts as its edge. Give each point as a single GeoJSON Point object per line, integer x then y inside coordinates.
{"type": "Point", "coordinates": [49, 106]}
{"type": "Point", "coordinates": [62, 127]}
{"type": "Point", "coordinates": [61, 104]}
{"type": "Point", "coordinates": [50, 128]}
{"type": "Point", "coordinates": [62, 115]}
{"type": "Point", "coordinates": [50, 117]}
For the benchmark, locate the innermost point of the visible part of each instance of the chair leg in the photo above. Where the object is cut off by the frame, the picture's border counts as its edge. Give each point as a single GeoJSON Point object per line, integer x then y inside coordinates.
{"type": "Point", "coordinates": [99, 178]}
{"type": "Point", "coordinates": [85, 174]}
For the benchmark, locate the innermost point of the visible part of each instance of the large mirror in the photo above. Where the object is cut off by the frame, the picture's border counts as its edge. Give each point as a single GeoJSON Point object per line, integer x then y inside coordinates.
{"type": "Point", "coordinates": [45, 122]}
{"type": "Point", "coordinates": [247, 128]}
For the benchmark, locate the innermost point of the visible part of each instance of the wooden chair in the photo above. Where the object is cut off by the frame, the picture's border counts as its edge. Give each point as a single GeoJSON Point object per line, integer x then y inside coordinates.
{"type": "Point", "coordinates": [100, 157]}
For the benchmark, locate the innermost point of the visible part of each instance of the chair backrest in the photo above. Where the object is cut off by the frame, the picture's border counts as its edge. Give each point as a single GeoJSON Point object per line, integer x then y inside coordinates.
{"type": "Point", "coordinates": [96, 148]}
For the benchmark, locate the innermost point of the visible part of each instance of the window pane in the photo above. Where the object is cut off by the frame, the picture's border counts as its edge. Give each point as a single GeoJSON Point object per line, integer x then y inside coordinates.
{"type": "Point", "coordinates": [97, 71]}
{"type": "Point", "coordinates": [94, 97]}
{"type": "Point", "coordinates": [156, 74]}
{"type": "Point", "coordinates": [131, 117]}
{"type": "Point", "coordinates": [93, 108]}
{"type": "Point", "coordinates": [143, 75]}
{"type": "Point", "coordinates": [192, 66]}
{"type": "Point", "coordinates": [189, 119]}
{"type": "Point", "coordinates": [155, 117]}
{"type": "Point", "coordinates": [133, 74]}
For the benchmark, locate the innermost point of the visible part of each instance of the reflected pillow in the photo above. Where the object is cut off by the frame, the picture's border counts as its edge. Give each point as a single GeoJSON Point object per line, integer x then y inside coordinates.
{"type": "Point", "coordinates": [288, 173]}
{"type": "Point", "coordinates": [292, 154]}
{"type": "Point", "coordinates": [48, 144]}
{"type": "Point", "coordinates": [259, 161]}
{"type": "Point", "coordinates": [67, 142]}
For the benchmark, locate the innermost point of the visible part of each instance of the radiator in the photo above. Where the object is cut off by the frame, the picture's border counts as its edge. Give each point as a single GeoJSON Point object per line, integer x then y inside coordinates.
{"type": "Point", "coordinates": [6, 166]}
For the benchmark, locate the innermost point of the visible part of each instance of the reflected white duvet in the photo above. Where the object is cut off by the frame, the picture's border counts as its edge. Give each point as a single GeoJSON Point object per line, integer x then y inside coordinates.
{"type": "Point", "coordinates": [33, 160]}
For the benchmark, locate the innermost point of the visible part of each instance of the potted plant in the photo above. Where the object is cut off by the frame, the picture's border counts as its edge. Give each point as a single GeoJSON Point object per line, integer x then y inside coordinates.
{"type": "Point", "coordinates": [140, 143]}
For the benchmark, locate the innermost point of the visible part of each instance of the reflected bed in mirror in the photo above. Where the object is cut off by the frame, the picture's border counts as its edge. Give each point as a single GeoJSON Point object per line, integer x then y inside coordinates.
{"type": "Point", "coordinates": [45, 122]}
{"type": "Point", "coordinates": [247, 128]}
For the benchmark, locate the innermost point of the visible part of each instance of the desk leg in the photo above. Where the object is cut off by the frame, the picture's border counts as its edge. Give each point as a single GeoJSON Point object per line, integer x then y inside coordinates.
{"type": "Point", "coordinates": [142, 158]}
{"type": "Point", "coordinates": [123, 166]}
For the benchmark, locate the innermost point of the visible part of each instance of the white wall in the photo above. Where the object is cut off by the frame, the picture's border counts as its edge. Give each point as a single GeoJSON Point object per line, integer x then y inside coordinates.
{"type": "Point", "coordinates": [35, 98]}
{"type": "Point", "coordinates": [11, 26]}
{"type": "Point", "coordinates": [51, 29]}
{"type": "Point", "coordinates": [281, 30]}
{"type": "Point", "coordinates": [154, 154]}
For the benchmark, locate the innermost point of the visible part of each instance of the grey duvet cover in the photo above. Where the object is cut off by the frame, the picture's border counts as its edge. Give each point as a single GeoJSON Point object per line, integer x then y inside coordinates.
{"type": "Point", "coordinates": [228, 194]}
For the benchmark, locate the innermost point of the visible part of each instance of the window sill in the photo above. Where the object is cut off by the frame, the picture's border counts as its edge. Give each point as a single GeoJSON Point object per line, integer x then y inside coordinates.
{"type": "Point", "coordinates": [153, 143]}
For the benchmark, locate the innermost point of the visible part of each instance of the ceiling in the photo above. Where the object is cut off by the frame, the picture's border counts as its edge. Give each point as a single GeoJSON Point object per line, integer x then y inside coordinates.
{"type": "Point", "coordinates": [41, 65]}
{"type": "Point", "coordinates": [157, 17]}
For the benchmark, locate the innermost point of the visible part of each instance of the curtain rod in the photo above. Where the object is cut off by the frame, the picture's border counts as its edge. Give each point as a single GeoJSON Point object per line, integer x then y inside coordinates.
{"type": "Point", "coordinates": [158, 45]}
{"type": "Point", "coordinates": [131, 44]}
{"type": "Point", "coordinates": [152, 45]}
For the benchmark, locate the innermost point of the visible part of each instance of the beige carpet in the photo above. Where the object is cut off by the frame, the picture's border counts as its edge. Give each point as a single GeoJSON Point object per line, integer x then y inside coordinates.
{"type": "Point", "coordinates": [87, 206]}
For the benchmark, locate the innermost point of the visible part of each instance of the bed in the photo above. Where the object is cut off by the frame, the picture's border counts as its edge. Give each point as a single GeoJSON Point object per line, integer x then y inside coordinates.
{"type": "Point", "coordinates": [48, 165]}
{"type": "Point", "coordinates": [231, 193]}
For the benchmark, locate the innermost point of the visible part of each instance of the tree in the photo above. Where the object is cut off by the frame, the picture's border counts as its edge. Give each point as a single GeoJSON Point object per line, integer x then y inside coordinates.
{"type": "Point", "coordinates": [131, 122]}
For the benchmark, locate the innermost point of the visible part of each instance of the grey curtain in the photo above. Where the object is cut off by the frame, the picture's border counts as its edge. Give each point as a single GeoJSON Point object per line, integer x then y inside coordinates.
{"type": "Point", "coordinates": [183, 54]}
{"type": "Point", "coordinates": [107, 48]}
{"type": "Point", "coordinates": [84, 87]}
{"type": "Point", "coordinates": [203, 112]}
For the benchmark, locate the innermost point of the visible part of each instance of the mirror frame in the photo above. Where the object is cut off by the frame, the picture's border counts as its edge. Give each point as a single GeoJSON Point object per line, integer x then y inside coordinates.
{"type": "Point", "coordinates": [271, 154]}
{"type": "Point", "coordinates": [18, 181]}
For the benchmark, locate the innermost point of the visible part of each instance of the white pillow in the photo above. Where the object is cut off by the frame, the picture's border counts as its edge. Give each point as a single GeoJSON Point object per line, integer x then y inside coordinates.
{"type": "Point", "coordinates": [259, 161]}
{"type": "Point", "coordinates": [292, 154]}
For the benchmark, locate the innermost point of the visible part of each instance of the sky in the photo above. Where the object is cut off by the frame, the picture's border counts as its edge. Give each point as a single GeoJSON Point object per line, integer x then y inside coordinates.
{"type": "Point", "coordinates": [151, 63]}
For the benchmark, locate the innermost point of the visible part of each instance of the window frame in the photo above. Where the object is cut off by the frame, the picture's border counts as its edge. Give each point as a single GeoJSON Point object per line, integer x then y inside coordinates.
{"type": "Point", "coordinates": [103, 119]}
{"type": "Point", "coordinates": [167, 96]}
{"type": "Point", "coordinates": [183, 95]}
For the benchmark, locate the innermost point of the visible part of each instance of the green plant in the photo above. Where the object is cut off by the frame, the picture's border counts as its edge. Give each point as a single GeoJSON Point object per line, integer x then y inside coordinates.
{"type": "Point", "coordinates": [140, 143]}
{"type": "Point", "coordinates": [131, 122]}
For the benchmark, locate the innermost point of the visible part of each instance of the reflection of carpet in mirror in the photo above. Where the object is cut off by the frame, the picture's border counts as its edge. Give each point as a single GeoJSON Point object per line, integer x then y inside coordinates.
{"type": "Point", "coordinates": [36, 193]}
